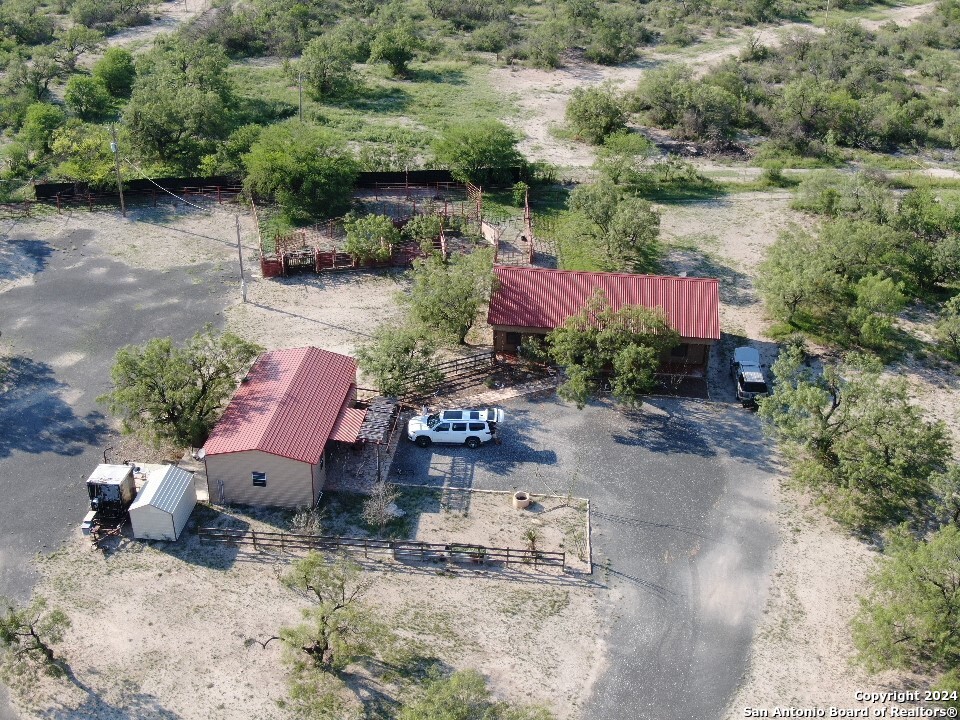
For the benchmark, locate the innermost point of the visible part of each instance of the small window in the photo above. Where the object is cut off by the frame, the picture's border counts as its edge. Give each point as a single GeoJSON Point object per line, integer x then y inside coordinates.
{"type": "Point", "coordinates": [478, 426]}
{"type": "Point", "coordinates": [459, 427]}
{"type": "Point", "coordinates": [513, 339]}
{"type": "Point", "coordinates": [259, 479]}
{"type": "Point", "coordinates": [680, 351]}
{"type": "Point", "coordinates": [474, 414]}
{"type": "Point", "coordinates": [442, 427]}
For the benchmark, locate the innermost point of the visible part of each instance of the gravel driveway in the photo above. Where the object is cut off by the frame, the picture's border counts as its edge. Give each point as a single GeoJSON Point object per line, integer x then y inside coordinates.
{"type": "Point", "coordinates": [62, 327]}
{"type": "Point", "coordinates": [683, 510]}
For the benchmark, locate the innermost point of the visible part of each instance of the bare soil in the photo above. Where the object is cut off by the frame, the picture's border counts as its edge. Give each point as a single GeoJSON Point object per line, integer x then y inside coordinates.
{"type": "Point", "coordinates": [542, 95]}
{"type": "Point", "coordinates": [169, 630]}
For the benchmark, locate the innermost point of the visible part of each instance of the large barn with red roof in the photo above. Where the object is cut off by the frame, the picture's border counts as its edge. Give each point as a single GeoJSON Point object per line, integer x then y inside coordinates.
{"type": "Point", "coordinates": [269, 446]}
{"type": "Point", "coordinates": [530, 301]}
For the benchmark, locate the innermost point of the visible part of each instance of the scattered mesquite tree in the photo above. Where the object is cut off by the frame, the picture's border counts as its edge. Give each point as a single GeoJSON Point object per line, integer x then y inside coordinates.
{"type": "Point", "coordinates": [28, 634]}
{"type": "Point", "coordinates": [170, 393]}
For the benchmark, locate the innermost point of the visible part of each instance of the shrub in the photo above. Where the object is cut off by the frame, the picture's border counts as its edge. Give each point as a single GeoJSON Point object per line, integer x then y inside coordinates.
{"type": "Point", "coordinates": [116, 71]}
{"type": "Point", "coordinates": [87, 97]}
{"type": "Point", "coordinates": [594, 113]}
{"type": "Point", "coordinates": [479, 151]}
{"type": "Point", "coordinates": [370, 237]}
{"type": "Point", "coordinates": [306, 169]}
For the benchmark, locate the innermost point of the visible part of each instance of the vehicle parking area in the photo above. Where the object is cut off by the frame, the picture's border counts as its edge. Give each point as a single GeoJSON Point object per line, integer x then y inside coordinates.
{"type": "Point", "coordinates": [682, 499]}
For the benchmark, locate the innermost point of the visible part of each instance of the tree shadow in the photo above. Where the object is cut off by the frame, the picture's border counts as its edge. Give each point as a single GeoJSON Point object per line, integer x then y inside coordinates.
{"type": "Point", "coordinates": [736, 288]}
{"type": "Point", "coordinates": [34, 418]}
{"type": "Point", "coordinates": [370, 687]}
{"type": "Point", "coordinates": [261, 111]}
{"type": "Point", "coordinates": [133, 704]}
{"type": "Point", "coordinates": [22, 258]}
{"type": "Point", "coordinates": [663, 431]}
{"type": "Point", "coordinates": [442, 76]}
{"type": "Point", "coordinates": [378, 99]}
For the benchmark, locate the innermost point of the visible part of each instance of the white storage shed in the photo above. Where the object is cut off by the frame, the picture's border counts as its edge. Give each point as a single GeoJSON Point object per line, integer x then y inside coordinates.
{"type": "Point", "coordinates": [163, 505]}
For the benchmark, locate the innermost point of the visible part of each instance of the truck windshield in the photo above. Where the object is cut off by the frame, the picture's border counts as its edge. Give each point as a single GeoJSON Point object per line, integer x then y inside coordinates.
{"type": "Point", "coordinates": [755, 387]}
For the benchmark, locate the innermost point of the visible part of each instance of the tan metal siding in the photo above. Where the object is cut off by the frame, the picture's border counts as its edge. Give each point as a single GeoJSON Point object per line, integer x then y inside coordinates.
{"type": "Point", "coordinates": [183, 510]}
{"type": "Point", "coordinates": [289, 482]}
{"type": "Point", "coordinates": [151, 523]}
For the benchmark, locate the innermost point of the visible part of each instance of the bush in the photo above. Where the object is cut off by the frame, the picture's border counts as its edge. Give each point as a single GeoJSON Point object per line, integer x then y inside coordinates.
{"type": "Point", "coordinates": [41, 120]}
{"type": "Point", "coordinates": [305, 169]}
{"type": "Point", "coordinates": [116, 71]}
{"type": "Point", "coordinates": [327, 65]}
{"type": "Point", "coordinates": [594, 113]}
{"type": "Point", "coordinates": [87, 97]}
{"type": "Point", "coordinates": [478, 151]}
{"type": "Point", "coordinates": [370, 237]}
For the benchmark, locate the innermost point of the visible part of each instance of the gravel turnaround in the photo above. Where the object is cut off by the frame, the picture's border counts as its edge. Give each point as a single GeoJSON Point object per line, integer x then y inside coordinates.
{"type": "Point", "coordinates": [683, 510]}
{"type": "Point", "coordinates": [61, 330]}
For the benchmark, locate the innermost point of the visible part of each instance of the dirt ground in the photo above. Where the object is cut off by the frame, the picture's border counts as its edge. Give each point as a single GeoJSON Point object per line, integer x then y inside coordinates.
{"type": "Point", "coordinates": [150, 637]}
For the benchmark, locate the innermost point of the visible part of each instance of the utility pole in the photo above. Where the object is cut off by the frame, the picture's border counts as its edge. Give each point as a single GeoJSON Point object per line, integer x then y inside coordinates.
{"type": "Point", "coordinates": [300, 91]}
{"type": "Point", "coordinates": [243, 282]}
{"type": "Point", "coordinates": [116, 163]}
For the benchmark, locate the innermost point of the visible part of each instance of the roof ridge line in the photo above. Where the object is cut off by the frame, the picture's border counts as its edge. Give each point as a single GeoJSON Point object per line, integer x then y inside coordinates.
{"type": "Point", "coordinates": [601, 272]}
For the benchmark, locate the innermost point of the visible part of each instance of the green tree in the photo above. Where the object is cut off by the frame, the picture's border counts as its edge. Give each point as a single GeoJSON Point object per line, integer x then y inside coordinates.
{"type": "Point", "coordinates": [87, 97]}
{"type": "Point", "coordinates": [228, 157]}
{"type": "Point", "coordinates": [327, 66]}
{"type": "Point", "coordinates": [34, 76]}
{"type": "Point", "coordinates": [447, 296]}
{"type": "Point", "coordinates": [396, 45]}
{"type": "Point", "coordinates": [400, 360]}
{"type": "Point", "coordinates": [594, 113]}
{"type": "Point", "coordinates": [116, 71]}
{"type": "Point", "coordinates": [41, 122]}
{"type": "Point", "coordinates": [463, 695]}
{"type": "Point", "coordinates": [28, 634]}
{"type": "Point", "coordinates": [710, 114]}
{"type": "Point", "coordinates": [306, 169]}
{"type": "Point", "coordinates": [632, 236]}
{"type": "Point", "coordinates": [615, 35]}
{"type": "Point", "coordinates": [74, 42]}
{"type": "Point", "coordinates": [793, 277]}
{"type": "Point", "coordinates": [663, 94]}
{"type": "Point", "coordinates": [175, 393]}
{"type": "Point", "coordinates": [878, 300]}
{"type": "Point", "coordinates": [83, 152]}
{"type": "Point", "coordinates": [478, 151]}
{"type": "Point", "coordinates": [629, 340]}
{"type": "Point", "coordinates": [856, 440]}
{"type": "Point", "coordinates": [424, 230]}
{"type": "Point", "coordinates": [910, 618]}
{"type": "Point", "coordinates": [947, 329]}
{"type": "Point", "coordinates": [370, 237]}
{"type": "Point", "coordinates": [337, 628]}
{"type": "Point", "coordinates": [625, 227]}
{"type": "Point", "coordinates": [180, 101]}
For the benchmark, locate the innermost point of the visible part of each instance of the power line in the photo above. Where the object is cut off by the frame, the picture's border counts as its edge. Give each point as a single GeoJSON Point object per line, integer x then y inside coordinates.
{"type": "Point", "coordinates": [243, 280]}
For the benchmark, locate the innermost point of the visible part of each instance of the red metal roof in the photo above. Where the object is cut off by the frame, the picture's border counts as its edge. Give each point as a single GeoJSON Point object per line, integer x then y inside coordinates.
{"type": "Point", "coordinates": [542, 298]}
{"type": "Point", "coordinates": [287, 406]}
{"type": "Point", "coordinates": [347, 427]}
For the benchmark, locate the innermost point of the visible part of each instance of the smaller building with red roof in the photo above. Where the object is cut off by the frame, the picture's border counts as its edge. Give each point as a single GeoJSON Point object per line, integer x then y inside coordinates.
{"type": "Point", "coordinates": [269, 447]}
{"type": "Point", "coordinates": [530, 302]}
